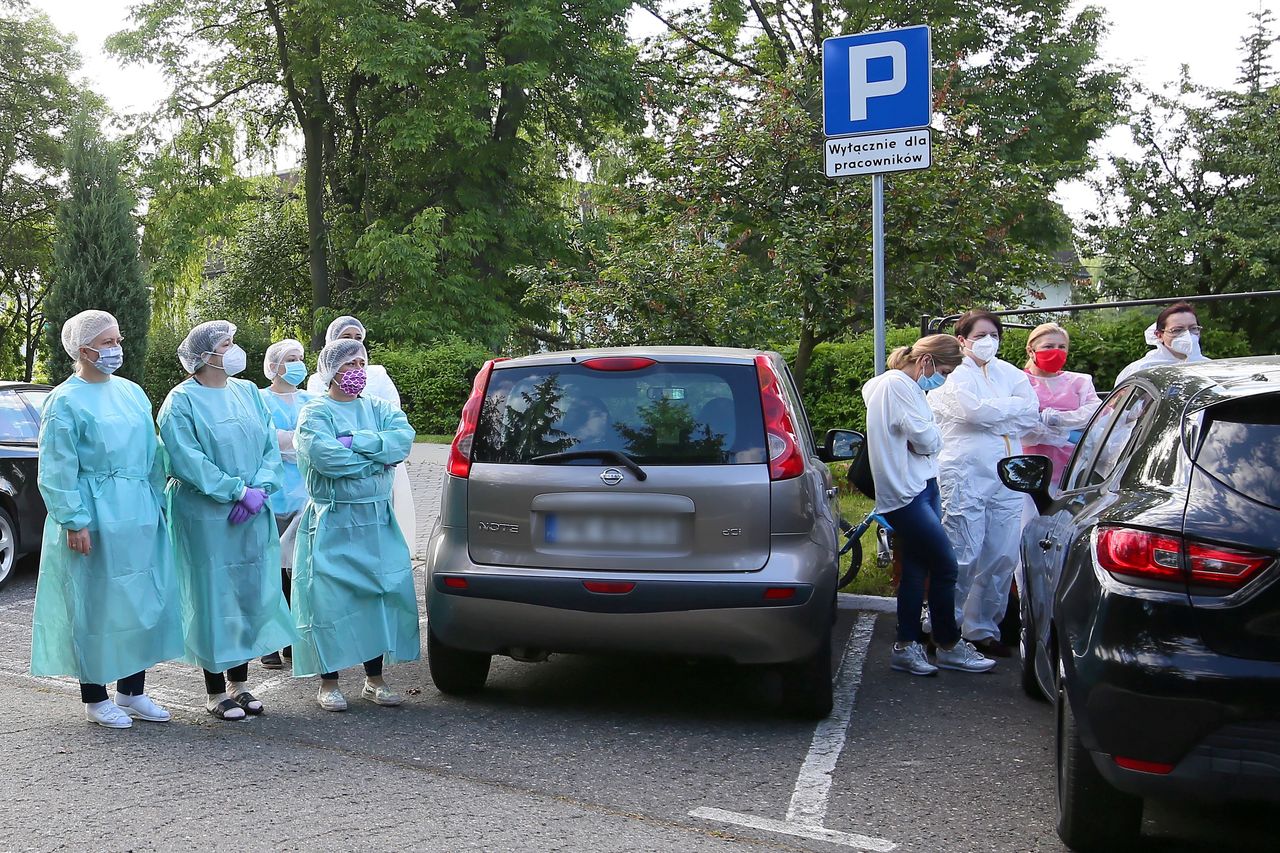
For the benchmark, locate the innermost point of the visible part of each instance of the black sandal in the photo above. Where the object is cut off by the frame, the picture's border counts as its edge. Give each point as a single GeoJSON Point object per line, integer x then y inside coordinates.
{"type": "Point", "coordinates": [220, 710]}
{"type": "Point", "coordinates": [244, 698]}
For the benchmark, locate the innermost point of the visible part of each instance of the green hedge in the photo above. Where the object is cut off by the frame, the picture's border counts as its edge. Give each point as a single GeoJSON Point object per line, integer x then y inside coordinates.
{"type": "Point", "coordinates": [433, 381]}
{"type": "Point", "coordinates": [1100, 346]}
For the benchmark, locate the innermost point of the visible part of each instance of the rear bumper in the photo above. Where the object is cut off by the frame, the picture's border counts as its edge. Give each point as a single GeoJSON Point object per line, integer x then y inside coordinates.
{"type": "Point", "coordinates": [719, 615]}
{"type": "Point", "coordinates": [1161, 696]}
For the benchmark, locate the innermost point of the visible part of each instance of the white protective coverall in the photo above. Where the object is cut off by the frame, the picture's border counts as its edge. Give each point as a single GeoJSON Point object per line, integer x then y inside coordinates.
{"type": "Point", "coordinates": [982, 412]}
{"type": "Point", "coordinates": [1161, 355]}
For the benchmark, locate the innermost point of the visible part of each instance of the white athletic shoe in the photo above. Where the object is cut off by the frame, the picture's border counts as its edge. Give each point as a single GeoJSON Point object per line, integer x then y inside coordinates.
{"type": "Point", "coordinates": [142, 708]}
{"type": "Point", "coordinates": [911, 658]}
{"type": "Point", "coordinates": [965, 658]}
{"type": "Point", "coordinates": [107, 713]}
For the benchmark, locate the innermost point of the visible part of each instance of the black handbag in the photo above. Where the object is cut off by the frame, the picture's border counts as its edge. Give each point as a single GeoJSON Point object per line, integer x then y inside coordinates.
{"type": "Point", "coordinates": [860, 472]}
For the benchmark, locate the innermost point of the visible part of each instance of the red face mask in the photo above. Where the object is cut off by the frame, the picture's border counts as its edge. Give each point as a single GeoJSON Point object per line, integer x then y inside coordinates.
{"type": "Point", "coordinates": [1051, 360]}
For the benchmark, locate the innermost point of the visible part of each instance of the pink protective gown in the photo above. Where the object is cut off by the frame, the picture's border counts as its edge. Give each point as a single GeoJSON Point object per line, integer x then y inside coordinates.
{"type": "Point", "coordinates": [1067, 401]}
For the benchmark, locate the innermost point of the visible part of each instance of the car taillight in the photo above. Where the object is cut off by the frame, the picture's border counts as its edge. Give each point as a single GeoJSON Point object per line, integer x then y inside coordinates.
{"type": "Point", "coordinates": [785, 459]}
{"type": "Point", "coordinates": [1126, 552]}
{"type": "Point", "coordinates": [460, 450]}
{"type": "Point", "coordinates": [618, 362]}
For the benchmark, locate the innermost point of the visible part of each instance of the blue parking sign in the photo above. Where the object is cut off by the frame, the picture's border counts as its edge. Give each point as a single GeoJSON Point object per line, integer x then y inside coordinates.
{"type": "Point", "coordinates": [875, 82]}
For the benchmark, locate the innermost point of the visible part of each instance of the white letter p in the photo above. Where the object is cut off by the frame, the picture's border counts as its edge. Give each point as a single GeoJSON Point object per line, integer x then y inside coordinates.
{"type": "Point", "coordinates": [860, 91]}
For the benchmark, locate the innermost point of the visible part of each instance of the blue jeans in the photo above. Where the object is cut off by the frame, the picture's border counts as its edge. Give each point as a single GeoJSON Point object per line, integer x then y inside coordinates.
{"type": "Point", "coordinates": [926, 555]}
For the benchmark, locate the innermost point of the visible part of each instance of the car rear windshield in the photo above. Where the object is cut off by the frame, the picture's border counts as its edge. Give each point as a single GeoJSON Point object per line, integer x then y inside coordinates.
{"type": "Point", "coordinates": [663, 414]}
{"type": "Point", "coordinates": [1241, 446]}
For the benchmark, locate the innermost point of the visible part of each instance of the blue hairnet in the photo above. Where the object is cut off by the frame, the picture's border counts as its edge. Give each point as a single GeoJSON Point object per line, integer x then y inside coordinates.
{"type": "Point", "coordinates": [340, 325]}
{"type": "Point", "coordinates": [202, 341]}
{"type": "Point", "coordinates": [336, 354]}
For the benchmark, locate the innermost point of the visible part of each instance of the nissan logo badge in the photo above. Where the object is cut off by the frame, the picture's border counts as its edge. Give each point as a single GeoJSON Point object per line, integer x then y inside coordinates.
{"type": "Point", "coordinates": [611, 477]}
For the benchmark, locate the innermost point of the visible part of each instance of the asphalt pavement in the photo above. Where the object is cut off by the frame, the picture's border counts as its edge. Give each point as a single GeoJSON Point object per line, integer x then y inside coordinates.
{"type": "Point", "coordinates": [577, 753]}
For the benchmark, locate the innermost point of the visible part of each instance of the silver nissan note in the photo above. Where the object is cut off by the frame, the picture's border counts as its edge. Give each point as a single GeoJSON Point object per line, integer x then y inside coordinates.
{"type": "Point", "coordinates": [664, 500]}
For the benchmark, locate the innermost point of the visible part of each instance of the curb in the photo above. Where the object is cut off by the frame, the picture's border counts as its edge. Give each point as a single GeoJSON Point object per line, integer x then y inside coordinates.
{"type": "Point", "coordinates": [877, 603]}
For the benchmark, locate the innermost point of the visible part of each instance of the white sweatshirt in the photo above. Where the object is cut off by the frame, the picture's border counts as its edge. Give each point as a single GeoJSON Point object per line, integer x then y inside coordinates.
{"type": "Point", "coordinates": [902, 439]}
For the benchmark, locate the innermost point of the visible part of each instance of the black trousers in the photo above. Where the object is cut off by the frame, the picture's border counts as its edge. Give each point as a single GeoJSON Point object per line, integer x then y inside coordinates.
{"type": "Point", "coordinates": [372, 668]}
{"type": "Point", "coordinates": [215, 682]}
{"type": "Point", "coordinates": [131, 686]}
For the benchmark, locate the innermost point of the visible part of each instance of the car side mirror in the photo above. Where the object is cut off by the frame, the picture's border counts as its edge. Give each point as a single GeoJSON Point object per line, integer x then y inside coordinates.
{"type": "Point", "coordinates": [841, 445]}
{"type": "Point", "coordinates": [1030, 475]}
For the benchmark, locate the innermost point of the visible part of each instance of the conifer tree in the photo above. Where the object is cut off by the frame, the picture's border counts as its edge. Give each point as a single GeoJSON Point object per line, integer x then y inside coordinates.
{"type": "Point", "coordinates": [96, 261]}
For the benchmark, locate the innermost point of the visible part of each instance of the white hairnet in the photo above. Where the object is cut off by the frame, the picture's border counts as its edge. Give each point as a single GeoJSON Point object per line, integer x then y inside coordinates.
{"type": "Point", "coordinates": [202, 341]}
{"type": "Point", "coordinates": [82, 329]}
{"type": "Point", "coordinates": [273, 361]}
{"type": "Point", "coordinates": [1151, 336]}
{"type": "Point", "coordinates": [340, 325]}
{"type": "Point", "coordinates": [336, 354]}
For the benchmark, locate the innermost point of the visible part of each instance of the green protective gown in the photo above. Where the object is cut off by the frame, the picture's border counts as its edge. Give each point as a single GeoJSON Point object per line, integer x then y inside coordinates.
{"type": "Point", "coordinates": [219, 442]}
{"type": "Point", "coordinates": [114, 612]}
{"type": "Point", "coordinates": [353, 596]}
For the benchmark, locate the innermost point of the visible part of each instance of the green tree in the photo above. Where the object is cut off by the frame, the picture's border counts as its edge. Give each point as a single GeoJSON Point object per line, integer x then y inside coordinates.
{"type": "Point", "coordinates": [721, 227]}
{"type": "Point", "coordinates": [432, 133]}
{"type": "Point", "coordinates": [96, 262]}
{"type": "Point", "coordinates": [37, 100]}
{"type": "Point", "coordinates": [1196, 211]}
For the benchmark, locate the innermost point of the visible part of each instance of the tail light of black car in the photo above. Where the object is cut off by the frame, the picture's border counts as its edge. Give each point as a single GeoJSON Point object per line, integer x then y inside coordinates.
{"type": "Point", "coordinates": [1160, 559]}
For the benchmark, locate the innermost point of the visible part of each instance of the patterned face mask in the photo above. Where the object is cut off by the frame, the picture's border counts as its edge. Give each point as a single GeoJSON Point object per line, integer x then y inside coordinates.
{"type": "Point", "coordinates": [352, 382]}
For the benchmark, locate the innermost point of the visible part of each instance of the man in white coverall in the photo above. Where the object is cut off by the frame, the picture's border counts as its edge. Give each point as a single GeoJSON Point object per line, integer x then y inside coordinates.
{"type": "Point", "coordinates": [982, 412]}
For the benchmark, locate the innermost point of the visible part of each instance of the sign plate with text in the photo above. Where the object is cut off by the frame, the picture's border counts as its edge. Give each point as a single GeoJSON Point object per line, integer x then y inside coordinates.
{"type": "Point", "coordinates": [875, 153]}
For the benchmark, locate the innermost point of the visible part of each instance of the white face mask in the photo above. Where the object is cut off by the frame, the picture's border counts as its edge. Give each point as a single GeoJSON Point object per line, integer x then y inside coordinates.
{"type": "Point", "coordinates": [234, 360]}
{"type": "Point", "coordinates": [1185, 343]}
{"type": "Point", "coordinates": [985, 349]}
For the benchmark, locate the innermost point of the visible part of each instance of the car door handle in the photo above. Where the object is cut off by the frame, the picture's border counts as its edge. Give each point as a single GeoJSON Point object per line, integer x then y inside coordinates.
{"type": "Point", "coordinates": [1046, 544]}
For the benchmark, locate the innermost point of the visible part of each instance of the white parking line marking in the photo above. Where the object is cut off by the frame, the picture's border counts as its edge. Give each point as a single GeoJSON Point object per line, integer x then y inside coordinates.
{"type": "Point", "coordinates": [809, 799]}
{"type": "Point", "coordinates": [813, 786]}
{"type": "Point", "coordinates": [817, 833]}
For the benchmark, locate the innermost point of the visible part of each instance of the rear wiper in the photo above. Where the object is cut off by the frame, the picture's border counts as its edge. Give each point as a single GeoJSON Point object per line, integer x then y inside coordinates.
{"type": "Point", "coordinates": [612, 455]}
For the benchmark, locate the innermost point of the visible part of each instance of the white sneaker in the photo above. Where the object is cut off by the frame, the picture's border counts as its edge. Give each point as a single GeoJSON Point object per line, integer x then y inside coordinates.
{"type": "Point", "coordinates": [965, 658]}
{"type": "Point", "coordinates": [332, 699]}
{"type": "Point", "coordinates": [107, 713]}
{"type": "Point", "coordinates": [911, 658]}
{"type": "Point", "coordinates": [142, 708]}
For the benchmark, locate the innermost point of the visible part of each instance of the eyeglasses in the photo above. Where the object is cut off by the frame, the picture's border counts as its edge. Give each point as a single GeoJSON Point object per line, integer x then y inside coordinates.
{"type": "Point", "coordinates": [1178, 330]}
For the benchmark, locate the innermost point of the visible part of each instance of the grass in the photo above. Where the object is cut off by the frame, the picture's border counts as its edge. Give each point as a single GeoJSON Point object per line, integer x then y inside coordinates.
{"type": "Point", "coordinates": [854, 506]}
{"type": "Point", "coordinates": [434, 439]}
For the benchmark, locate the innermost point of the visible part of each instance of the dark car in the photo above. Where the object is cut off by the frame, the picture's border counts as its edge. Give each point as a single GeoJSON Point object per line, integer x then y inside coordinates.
{"type": "Point", "coordinates": [1151, 605]}
{"type": "Point", "coordinates": [21, 505]}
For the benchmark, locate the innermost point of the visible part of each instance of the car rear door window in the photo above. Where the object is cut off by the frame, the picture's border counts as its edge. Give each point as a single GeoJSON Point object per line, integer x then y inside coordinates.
{"type": "Point", "coordinates": [1123, 437]}
{"type": "Point", "coordinates": [663, 414]}
{"type": "Point", "coordinates": [1241, 447]}
{"type": "Point", "coordinates": [16, 421]}
{"type": "Point", "coordinates": [35, 399]}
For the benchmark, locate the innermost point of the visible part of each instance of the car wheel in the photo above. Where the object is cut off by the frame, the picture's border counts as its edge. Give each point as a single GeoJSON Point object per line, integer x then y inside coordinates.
{"type": "Point", "coordinates": [1027, 648]}
{"type": "Point", "coordinates": [8, 548]}
{"type": "Point", "coordinates": [454, 671]}
{"type": "Point", "coordinates": [806, 684]}
{"type": "Point", "coordinates": [1092, 815]}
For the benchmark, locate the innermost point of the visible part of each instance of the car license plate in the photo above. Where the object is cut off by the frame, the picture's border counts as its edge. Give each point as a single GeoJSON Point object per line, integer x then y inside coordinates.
{"type": "Point", "coordinates": [611, 530]}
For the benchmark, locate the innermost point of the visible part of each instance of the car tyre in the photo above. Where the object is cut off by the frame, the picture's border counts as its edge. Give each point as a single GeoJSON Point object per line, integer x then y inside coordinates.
{"type": "Point", "coordinates": [807, 691]}
{"type": "Point", "coordinates": [456, 672]}
{"type": "Point", "coordinates": [1092, 815]}
{"type": "Point", "coordinates": [1027, 648]}
{"type": "Point", "coordinates": [8, 548]}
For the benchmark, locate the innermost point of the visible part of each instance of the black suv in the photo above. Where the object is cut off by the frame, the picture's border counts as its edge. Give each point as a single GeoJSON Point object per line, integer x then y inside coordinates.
{"type": "Point", "coordinates": [1151, 602]}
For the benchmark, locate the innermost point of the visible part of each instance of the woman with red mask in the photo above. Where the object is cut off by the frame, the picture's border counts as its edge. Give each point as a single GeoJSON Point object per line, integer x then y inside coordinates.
{"type": "Point", "coordinates": [1067, 400]}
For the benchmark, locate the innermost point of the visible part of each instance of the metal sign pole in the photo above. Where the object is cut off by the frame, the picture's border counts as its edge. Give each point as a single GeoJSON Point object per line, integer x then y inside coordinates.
{"type": "Point", "coordinates": [877, 266]}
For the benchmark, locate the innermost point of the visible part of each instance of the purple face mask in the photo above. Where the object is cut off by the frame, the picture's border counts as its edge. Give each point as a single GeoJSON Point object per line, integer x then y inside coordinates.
{"type": "Point", "coordinates": [352, 382]}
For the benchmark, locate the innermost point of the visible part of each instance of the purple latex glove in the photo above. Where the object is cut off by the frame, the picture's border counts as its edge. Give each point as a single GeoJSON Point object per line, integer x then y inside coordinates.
{"type": "Point", "coordinates": [254, 500]}
{"type": "Point", "coordinates": [239, 514]}
{"type": "Point", "coordinates": [345, 441]}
